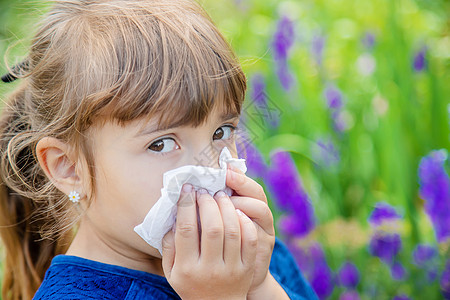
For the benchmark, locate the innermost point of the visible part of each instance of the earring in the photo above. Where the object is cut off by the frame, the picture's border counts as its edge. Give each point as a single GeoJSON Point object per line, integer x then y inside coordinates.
{"type": "Point", "coordinates": [74, 196]}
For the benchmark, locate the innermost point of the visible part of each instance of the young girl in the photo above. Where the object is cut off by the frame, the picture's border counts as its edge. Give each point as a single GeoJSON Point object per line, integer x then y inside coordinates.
{"type": "Point", "coordinates": [112, 95]}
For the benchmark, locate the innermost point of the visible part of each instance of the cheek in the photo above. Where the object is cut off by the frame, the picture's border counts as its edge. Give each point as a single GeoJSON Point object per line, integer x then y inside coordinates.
{"type": "Point", "coordinates": [128, 190]}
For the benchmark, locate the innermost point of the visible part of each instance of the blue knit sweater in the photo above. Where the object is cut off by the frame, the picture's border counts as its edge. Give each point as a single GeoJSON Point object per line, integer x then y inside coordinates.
{"type": "Point", "coordinates": [72, 277]}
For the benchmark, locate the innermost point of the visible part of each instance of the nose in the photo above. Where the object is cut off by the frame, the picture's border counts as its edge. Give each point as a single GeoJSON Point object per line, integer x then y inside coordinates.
{"type": "Point", "coordinates": [204, 155]}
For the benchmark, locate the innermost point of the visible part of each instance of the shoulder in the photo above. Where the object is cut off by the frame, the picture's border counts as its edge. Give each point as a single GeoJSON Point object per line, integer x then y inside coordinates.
{"type": "Point", "coordinates": [71, 277]}
{"type": "Point", "coordinates": [284, 269]}
{"type": "Point", "coordinates": [71, 281]}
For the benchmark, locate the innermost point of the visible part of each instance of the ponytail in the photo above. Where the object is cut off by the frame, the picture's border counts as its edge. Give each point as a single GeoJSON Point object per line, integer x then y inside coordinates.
{"type": "Point", "coordinates": [22, 216]}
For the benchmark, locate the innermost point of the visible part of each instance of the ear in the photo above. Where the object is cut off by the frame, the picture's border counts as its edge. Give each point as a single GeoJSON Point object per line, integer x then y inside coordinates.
{"type": "Point", "coordinates": [55, 159]}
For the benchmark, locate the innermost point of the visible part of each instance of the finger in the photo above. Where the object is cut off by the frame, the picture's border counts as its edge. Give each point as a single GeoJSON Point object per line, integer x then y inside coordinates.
{"type": "Point", "coordinates": [249, 239]}
{"type": "Point", "coordinates": [244, 185]}
{"type": "Point", "coordinates": [168, 253]}
{"type": "Point", "coordinates": [186, 233]}
{"type": "Point", "coordinates": [211, 247]}
{"type": "Point", "coordinates": [257, 210]}
{"type": "Point", "coordinates": [231, 227]}
{"type": "Point", "coordinates": [230, 166]}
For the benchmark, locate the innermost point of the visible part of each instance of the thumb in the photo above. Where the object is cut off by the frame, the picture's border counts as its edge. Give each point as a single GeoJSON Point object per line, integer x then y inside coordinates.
{"type": "Point", "coordinates": [168, 253]}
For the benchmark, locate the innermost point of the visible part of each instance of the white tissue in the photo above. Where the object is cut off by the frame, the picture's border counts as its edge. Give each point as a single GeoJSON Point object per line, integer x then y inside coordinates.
{"type": "Point", "coordinates": [161, 217]}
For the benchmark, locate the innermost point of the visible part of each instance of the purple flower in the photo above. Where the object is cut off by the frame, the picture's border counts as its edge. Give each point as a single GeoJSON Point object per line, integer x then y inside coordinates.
{"type": "Point", "coordinates": [368, 40]}
{"type": "Point", "coordinates": [302, 256]}
{"type": "Point", "coordinates": [333, 97]}
{"type": "Point", "coordinates": [322, 280]}
{"type": "Point", "coordinates": [385, 246]}
{"type": "Point", "coordinates": [445, 281]}
{"type": "Point", "coordinates": [425, 257]}
{"type": "Point", "coordinates": [382, 212]}
{"type": "Point", "coordinates": [349, 295]}
{"type": "Point", "coordinates": [260, 102]}
{"type": "Point", "coordinates": [256, 166]}
{"type": "Point", "coordinates": [293, 226]}
{"type": "Point", "coordinates": [419, 62]}
{"type": "Point", "coordinates": [259, 89]}
{"type": "Point", "coordinates": [348, 275]}
{"type": "Point", "coordinates": [321, 277]}
{"type": "Point", "coordinates": [283, 38]}
{"type": "Point", "coordinates": [423, 253]}
{"type": "Point", "coordinates": [317, 46]}
{"type": "Point", "coordinates": [312, 261]}
{"type": "Point", "coordinates": [398, 271]}
{"type": "Point", "coordinates": [340, 120]}
{"type": "Point", "coordinates": [435, 190]}
{"type": "Point", "coordinates": [283, 180]}
{"type": "Point", "coordinates": [401, 297]}
{"type": "Point", "coordinates": [432, 273]}
{"type": "Point", "coordinates": [325, 153]}
{"type": "Point", "coordinates": [284, 75]}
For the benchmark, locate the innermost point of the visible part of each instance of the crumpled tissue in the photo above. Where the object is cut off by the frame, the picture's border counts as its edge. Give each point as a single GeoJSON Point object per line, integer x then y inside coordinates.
{"type": "Point", "coordinates": [161, 217]}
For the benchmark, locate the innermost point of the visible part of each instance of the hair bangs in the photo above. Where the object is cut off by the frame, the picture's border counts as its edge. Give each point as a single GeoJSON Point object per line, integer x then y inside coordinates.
{"type": "Point", "coordinates": [167, 69]}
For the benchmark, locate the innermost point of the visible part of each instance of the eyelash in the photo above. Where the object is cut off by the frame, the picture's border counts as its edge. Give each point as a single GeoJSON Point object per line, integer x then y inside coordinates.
{"type": "Point", "coordinates": [233, 130]}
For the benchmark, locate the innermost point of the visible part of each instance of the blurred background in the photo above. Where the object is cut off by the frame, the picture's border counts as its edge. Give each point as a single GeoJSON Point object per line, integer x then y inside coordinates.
{"type": "Point", "coordinates": [346, 125]}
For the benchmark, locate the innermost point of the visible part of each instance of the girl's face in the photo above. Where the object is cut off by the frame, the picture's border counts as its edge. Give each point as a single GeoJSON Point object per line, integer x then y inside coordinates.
{"type": "Point", "coordinates": [129, 164]}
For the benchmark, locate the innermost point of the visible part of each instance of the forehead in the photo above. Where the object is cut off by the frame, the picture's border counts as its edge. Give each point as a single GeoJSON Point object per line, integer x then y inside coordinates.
{"type": "Point", "coordinates": [187, 116]}
{"type": "Point", "coordinates": [185, 113]}
{"type": "Point", "coordinates": [218, 113]}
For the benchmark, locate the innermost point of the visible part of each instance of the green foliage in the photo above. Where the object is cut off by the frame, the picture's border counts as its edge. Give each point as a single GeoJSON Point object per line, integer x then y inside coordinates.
{"type": "Point", "coordinates": [394, 116]}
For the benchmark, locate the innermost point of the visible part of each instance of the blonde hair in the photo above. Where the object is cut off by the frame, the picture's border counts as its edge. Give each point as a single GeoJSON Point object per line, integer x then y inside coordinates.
{"type": "Point", "coordinates": [97, 60]}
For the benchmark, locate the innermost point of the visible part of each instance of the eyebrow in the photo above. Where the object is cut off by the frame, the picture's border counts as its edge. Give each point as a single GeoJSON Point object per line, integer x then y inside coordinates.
{"type": "Point", "coordinates": [147, 131]}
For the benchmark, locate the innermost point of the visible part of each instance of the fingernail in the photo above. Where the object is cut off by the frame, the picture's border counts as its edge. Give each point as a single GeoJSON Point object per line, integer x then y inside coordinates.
{"type": "Point", "coordinates": [220, 194]}
{"type": "Point", "coordinates": [202, 191]}
{"type": "Point", "coordinates": [239, 212]}
{"type": "Point", "coordinates": [187, 188]}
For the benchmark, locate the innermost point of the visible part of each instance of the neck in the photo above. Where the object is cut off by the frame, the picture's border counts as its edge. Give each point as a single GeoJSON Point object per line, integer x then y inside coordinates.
{"type": "Point", "coordinates": [94, 245]}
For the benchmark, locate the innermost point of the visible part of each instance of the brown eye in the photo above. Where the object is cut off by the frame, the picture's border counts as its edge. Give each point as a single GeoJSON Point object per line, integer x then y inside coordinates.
{"type": "Point", "coordinates": [163, 145]}
{"type": "Point", "coordinates": [218, 134]}
{"type": "Point", "coordinates": [224, 132]}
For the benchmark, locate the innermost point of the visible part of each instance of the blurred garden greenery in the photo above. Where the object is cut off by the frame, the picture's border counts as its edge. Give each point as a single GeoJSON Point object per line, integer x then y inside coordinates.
{"type": "Point", "coordinates": [354, 97]}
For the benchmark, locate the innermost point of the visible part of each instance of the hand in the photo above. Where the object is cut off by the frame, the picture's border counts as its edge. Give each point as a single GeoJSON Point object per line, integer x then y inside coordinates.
{"type": "Point", "coordinates": [250, 198]}
{"type": "Point", "coordinates": [216, 262]}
